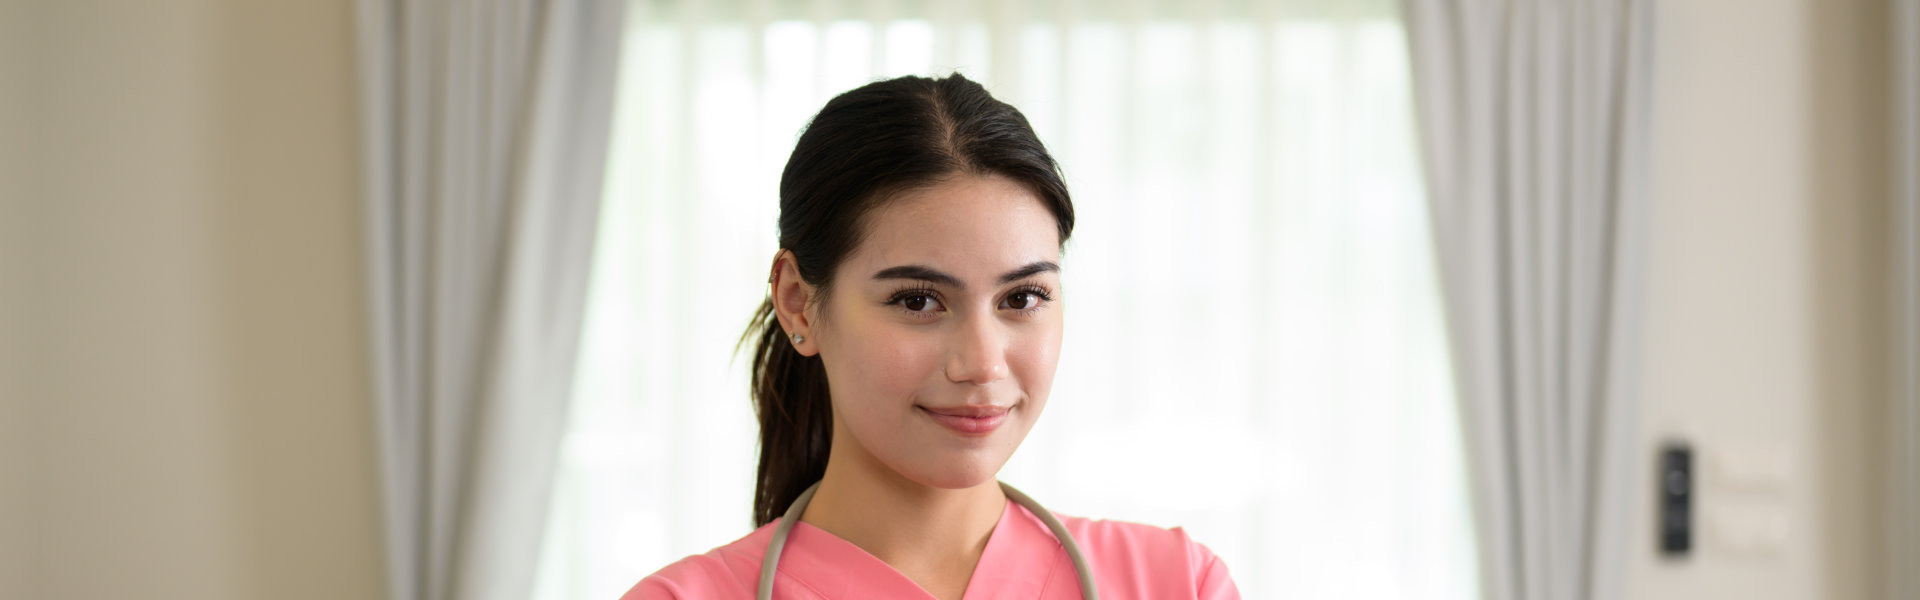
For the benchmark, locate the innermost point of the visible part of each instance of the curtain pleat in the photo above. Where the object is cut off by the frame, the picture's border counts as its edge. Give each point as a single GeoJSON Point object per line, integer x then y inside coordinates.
{"type": "Point", "coordinates": [1532, 123]}
{"type": "Point", "coordinates": [485, 133]}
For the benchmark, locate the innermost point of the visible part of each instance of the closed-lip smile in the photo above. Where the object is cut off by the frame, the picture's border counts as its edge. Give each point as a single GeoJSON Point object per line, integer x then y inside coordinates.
{"type": "Point", "coordinates": [970, 420]}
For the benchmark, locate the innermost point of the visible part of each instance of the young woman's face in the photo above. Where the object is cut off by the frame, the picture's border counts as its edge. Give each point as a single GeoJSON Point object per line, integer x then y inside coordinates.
{"type": "Point", "coordinates": [942, 332]}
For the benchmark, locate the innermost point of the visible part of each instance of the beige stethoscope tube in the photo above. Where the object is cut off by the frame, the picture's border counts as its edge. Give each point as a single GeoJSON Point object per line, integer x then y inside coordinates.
{"type": "Point", "coordinates": [799, 506]}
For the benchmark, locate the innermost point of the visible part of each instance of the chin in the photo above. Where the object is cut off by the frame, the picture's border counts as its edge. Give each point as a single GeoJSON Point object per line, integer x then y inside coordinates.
{"type": "Point", "coordinates": [964, 473]}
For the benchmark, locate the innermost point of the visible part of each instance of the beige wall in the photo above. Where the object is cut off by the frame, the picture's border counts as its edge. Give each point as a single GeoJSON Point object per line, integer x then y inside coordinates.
{"type": "Point", "coordinates": [1766, 302]}
{"type": "Point", "coordinates": [199, 425]}
{"type": "Point", "coordinates": [14, 192]}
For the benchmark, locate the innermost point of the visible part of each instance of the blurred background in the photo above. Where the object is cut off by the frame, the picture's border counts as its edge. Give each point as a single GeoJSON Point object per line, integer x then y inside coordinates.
{"type": "Point", "coordinates": [187, 369]}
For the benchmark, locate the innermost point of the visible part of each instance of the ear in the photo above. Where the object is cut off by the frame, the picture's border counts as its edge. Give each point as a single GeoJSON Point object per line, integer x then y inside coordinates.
{"type": "Point", "coordinates": [792, 297]}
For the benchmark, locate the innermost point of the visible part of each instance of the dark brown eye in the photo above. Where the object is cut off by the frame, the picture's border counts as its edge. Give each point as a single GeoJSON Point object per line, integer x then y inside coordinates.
{"type": "Point", "coordinates": [919, 303]}
{"type": "Point", "coordinates": [1020, 301]}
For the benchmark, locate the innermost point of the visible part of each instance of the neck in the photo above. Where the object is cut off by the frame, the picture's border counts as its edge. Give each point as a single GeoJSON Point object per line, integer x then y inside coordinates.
{"type": "Point", "coordinates": [929, 534]}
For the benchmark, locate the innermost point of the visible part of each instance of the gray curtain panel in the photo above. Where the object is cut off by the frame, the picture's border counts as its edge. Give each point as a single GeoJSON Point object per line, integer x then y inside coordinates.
{"type": "Point", "coordinates": [485, 130]}
{"type": "Point", "coordinates": [1903, 500]}
{"type": "Point", "coordinates": [1532, 118]}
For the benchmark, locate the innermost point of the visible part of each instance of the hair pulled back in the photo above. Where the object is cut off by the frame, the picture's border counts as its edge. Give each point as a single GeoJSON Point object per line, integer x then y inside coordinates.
{"type": "Point", "coordinates": [865, 146]}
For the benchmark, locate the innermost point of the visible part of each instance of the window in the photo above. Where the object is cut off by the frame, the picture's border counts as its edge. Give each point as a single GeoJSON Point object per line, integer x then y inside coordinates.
{"type": "Point", "coordinates": [1254, 350]}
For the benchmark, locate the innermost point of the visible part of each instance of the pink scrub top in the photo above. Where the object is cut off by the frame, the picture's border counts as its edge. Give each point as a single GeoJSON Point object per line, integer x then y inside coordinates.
{"type": "Point", "coordinates": [1022, 560]}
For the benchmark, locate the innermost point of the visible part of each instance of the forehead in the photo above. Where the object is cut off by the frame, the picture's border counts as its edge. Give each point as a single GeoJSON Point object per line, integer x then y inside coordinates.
{"type": "Point", "coordinates": [975, 227]}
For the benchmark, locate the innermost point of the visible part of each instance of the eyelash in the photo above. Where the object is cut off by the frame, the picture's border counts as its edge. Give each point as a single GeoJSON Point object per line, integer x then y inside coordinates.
{"type": "Point", "coordinates": [1045, 296]}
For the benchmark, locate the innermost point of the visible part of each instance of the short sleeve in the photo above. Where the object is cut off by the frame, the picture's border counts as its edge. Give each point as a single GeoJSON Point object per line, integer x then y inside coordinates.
{"type": "Point", "coordinates": [1211, 581]}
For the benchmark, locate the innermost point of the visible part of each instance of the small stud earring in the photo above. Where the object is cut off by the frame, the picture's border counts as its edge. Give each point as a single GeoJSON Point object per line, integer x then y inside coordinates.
{"type": "Point", "coordinates": [797, 338]}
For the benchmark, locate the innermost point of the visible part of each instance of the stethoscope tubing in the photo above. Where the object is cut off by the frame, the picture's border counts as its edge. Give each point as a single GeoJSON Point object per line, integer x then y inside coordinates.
{"type": "Point", "coordinates": [772, 560]}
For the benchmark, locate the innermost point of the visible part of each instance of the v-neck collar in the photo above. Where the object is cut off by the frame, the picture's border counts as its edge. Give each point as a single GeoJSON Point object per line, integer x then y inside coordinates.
{"type": "Point", "coordinates": [1017, 562]}
{"type": "Point", "coordinates": [1020, 558]}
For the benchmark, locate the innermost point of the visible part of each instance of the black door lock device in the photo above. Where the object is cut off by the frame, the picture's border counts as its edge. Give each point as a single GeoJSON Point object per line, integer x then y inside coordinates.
{"type": "Point", "coordinates": [1676, 499]}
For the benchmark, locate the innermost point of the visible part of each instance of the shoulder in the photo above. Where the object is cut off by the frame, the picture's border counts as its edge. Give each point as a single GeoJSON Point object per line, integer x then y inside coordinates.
{"type": "Point", "coordinates": [729, 571]}
{"type": "Point", "coordinates": [1157, 561]}
{"type": "Point", "coordinates": [1135, 539]}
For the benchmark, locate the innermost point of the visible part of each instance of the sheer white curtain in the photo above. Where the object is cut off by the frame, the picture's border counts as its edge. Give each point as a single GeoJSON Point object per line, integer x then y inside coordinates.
{"type": "Point", "coordinates": [1535, 138]}
{"type": "Point", "coordinates": [1255, 347]}
{"type": "Point", "coordinates": [484, 133]}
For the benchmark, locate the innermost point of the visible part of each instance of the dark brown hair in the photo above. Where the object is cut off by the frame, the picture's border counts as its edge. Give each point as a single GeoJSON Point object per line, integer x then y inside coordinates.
{"type": "Point", "coordinates": [865, 146]}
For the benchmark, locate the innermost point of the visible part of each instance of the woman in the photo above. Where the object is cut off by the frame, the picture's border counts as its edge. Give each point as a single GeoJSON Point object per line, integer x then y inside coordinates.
{"type": "Point", "coordinates": [905, 350]}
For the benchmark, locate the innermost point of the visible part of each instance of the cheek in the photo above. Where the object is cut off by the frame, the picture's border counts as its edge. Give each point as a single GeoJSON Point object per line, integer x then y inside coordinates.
{"type": "Point", "coordinates": [1034, 358]}
{"type": "Point", "coordinates": [885, 365]}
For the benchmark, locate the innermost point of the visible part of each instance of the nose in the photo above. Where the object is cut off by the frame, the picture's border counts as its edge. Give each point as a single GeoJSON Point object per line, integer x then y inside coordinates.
{"type": "Point", "coordinates": [978, 354]}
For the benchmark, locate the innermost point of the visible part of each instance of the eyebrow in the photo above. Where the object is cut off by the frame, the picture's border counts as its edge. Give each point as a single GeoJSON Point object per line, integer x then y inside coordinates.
{"type": "Point", "coordinates": [931, 275]}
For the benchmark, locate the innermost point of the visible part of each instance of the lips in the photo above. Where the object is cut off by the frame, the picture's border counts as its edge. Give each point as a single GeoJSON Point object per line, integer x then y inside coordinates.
{"type": "Point", "coordinates": [974, 420]}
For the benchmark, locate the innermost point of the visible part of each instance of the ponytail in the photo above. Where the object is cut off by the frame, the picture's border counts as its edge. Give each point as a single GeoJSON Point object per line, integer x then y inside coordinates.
{"type": "Point", "coordinates": [796, 420]}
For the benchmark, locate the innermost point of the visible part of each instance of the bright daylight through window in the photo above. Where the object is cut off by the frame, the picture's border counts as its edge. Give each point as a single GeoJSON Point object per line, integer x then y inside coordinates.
{"type": "Point", "coordinates": [1254, 349]}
